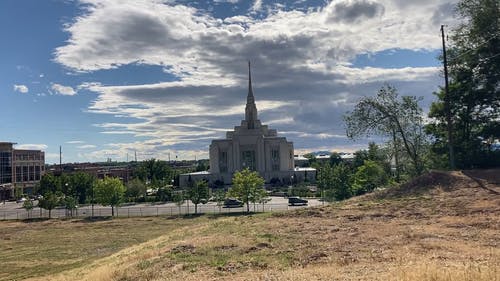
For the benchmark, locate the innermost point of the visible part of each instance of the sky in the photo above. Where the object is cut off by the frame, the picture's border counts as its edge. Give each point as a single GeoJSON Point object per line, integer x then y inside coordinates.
{"type": "Point", "coordinates": [159, 79]}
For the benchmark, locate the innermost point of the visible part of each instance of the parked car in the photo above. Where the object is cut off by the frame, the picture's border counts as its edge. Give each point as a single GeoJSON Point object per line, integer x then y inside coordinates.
{"type": "Point", "coordinates": [21, 200]}
{"type": "Point", "coordinates": [232, 203]}
{"type": "Point", "coordinates": [296, 201]}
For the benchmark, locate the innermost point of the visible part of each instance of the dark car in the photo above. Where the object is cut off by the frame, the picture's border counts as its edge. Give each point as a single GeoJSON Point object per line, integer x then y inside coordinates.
{"type": "Point", "coordinates": [232, 203]}
{"type": "Point", "coordinates": [296, 201]}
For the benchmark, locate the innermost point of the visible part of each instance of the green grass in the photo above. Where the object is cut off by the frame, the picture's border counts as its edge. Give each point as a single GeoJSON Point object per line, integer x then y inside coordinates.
{"type": "Point", "coordinates": [48, 247]}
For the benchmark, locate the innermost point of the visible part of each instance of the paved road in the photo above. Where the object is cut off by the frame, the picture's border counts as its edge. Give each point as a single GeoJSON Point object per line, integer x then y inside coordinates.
{"type": "Point", "coordinates": [13, 210]}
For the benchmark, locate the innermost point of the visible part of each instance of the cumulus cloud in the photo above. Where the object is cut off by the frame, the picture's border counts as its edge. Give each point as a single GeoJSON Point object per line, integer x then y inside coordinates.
{"type": "Point", "coordinates": [63, 90]}
{"type": "Point", "coordinates": [21, 89]}
{"type": "Point", "coordinates": [444, 13]}
{"type": "Point", "coordinates": [302, 74]}
{"type": "Point", "coordinates": [355, 10]}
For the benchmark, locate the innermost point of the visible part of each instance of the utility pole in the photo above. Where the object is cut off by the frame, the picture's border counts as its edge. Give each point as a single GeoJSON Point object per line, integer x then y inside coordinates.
{"type": "Point", "coordinates": [449, 124]}
{"type": "Point", "coordinates": [60, 159]}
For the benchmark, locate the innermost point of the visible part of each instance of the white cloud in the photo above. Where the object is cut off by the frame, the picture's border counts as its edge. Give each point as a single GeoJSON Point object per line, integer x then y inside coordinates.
{"type": "Point", "coordinates": [227, 1]}
{"type": "Point", "coordinates": [257, 6]}
{"type": "Point", "coordinates": [63, 90]}
{"type": "Point", "coordinates": [75, 142]}
{"type": "Point", "coordinates": [21, 88]}
{"type": "Point", "coordinates": [302, 65]}
{"type": "Point", "coordinates": [86, 146]}
{"type": "Point", "coordinates": [32, 146]}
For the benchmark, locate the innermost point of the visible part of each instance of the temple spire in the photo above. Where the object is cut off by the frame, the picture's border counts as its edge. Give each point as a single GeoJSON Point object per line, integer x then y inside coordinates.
{"type": "Point", "coordinates": [251, 108]}
{"type": "Point", "coordinates": [250, 97]}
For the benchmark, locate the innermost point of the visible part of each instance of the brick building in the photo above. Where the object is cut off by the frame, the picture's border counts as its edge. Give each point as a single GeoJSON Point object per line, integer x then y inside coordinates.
{"type": "Point", "coordinates": [20, 169]}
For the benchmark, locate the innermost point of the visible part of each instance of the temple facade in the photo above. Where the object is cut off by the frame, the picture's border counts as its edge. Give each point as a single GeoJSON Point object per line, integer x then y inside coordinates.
{"type": "Point", "coordinates": [254, 146]}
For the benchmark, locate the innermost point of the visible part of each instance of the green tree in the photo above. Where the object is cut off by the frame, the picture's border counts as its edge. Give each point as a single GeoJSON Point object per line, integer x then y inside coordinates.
{"type": "Point", "coordinates": [70, 204]}
{"type": "Point", "coordinates": [324, 180]}
{"type": "Point", "coordinates": [49, 183]}
{"type": "Point", "coordinates": [368, 177]}
{"type": "Point", "coordinates": [312, 159]}
{"type": "Point", "coordinates": [49, 201]}
{"type": "Point", "coordinates": [18, 193]}
{"type": "Point", "coordinates": [178, 198]}
{"type": "Point", "coordinates": [164, 193]}
{"type": "Point", "coordinates": [198, 193]}
{"type": "Point", "coordinates": [341, 182]}
{"type": "Point", "coordinates": [246, 186]}
{"type": "Point", "coordinates": [387, 114]}
{"type": "Point", "coordinates": [109, 192]}
{"type": "Point", "coordinates": [81, 184]}
{"type": "Point", "coordinates": [335, 159]}
{"type": "Point", "coordinates": [155, 172]}
{"type": "Point", "coordinates": [135, 189]}
{"type": "Point", "coordinates": [474, 89]}
{"type": "Point", "coordinates": [28, 206]}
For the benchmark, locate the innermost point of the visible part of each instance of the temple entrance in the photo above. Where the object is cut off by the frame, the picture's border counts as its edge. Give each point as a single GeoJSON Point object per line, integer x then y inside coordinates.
{"type": "Point", "coordinates": [248, 160]}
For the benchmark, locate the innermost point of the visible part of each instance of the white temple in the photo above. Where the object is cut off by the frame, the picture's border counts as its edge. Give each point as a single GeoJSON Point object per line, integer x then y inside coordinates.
{"type": "Point", "coordinates": [254, 146]}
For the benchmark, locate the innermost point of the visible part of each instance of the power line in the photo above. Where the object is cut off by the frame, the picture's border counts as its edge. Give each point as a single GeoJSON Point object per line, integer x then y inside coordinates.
{"type": "Point", "coordinates": [494, 36]}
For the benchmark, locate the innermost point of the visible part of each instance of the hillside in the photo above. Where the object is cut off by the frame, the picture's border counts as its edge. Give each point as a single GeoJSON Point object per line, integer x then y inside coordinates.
{"type": "Point", "coordinates": [441, 226]}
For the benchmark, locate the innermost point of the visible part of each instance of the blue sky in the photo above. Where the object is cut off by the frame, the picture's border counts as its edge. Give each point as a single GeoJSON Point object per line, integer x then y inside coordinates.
{"type": "Point", "coordinates": [104, 79]}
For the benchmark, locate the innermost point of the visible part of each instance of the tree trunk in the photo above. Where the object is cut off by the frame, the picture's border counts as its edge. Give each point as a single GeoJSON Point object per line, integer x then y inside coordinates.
{"type": "Point", "coordinates": [195, 209]}
{"type": "Point", "coordinates": [50, 210]}
{"type": "Point", "coordinates": [396, 154]}
{"type": "Point", "coordinates": [112, 211]}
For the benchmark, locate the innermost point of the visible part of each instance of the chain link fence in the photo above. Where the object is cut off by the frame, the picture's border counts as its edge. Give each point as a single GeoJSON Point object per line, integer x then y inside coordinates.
{"type": "Point", "coordinates": [137, 211]}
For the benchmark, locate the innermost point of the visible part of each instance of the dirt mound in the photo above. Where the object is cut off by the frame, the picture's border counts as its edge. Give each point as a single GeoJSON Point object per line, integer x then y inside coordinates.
{"type": "Point", "coordinates": [489, 175]}
{"type": "Point", "coordinates": [429, 183]}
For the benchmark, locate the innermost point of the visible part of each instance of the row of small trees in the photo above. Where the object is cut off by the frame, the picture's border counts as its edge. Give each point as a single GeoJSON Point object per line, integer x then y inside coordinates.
{"type": "Point", "coordinates": [247, 186]}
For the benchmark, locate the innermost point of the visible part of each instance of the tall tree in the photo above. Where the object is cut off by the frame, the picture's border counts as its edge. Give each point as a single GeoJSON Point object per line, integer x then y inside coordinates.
{"type": "Point", "coordinates": [109, 192]}
{"type": "Point", "coordinates": [49, 183]}
{"type": "Point", "coordinates": [135, 188]}
{"type": "Point", "coordinates": [247, 186]}
{"type": "Point", "coordinates": [155, 172]}
{"type": "Point", "coordinates": [387, 114]}
{"type": "Point", "coordinates": [82, 184]}
{"type": "Point", "coordinates": [474, 90]}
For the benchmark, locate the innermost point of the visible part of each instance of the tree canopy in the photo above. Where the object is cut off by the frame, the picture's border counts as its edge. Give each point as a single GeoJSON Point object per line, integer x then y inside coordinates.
{"type": "Point", "coordinates": [474, 91]}
{"type": "Point", "coordinates": [109, 192]}
{"type": "Point", "coordinates": [247, 187]}
{"type": "Point", "coordinates": [388, 114]}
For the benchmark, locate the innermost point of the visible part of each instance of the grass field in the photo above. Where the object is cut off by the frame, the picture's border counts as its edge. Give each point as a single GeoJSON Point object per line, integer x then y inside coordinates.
{"type": "Point", "coordinates": [442, 226]}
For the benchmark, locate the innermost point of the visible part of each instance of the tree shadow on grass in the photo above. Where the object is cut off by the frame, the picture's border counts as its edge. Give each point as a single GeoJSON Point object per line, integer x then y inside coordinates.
{"type": "Point", "coordinates": [212, 215]}
{"type": "Point", "coordinates": [96, 219]}
{"type": "Point", "coordinates": [31, 220]}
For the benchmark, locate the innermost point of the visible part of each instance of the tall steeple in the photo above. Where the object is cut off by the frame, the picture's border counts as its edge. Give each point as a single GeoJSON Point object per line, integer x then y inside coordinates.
{"type": "Point", "coordinates": [251, 108]}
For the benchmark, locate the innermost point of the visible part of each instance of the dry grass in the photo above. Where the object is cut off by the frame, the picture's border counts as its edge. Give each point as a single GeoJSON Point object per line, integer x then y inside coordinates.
{"type": "Point", "coordinates": [443, 226]}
